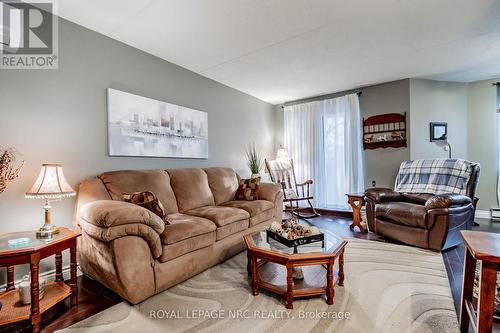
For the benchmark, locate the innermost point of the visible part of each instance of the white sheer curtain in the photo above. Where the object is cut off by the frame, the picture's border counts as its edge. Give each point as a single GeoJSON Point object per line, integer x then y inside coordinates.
{"type": "Point", "coordinates": [324, 140]}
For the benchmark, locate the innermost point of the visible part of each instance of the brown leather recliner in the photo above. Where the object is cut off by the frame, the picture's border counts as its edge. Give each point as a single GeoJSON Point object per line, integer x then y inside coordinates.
{"type": "Point", "coordinates": [423, 220]}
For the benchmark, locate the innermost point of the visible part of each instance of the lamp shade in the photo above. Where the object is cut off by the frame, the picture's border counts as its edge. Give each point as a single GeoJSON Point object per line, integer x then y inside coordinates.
{"type": "Point", "coordinates": [50, 184]}
{"type": "Point", "coordinates": [282, 154]}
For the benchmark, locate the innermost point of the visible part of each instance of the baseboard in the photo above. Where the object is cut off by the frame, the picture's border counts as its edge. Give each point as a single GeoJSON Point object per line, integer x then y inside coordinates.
{"type": "Point", "coordinates": [48, 276]}
{"type": "Point", "coordinates": [483, 214]}
{"type": "Point", "coordinates": [331, 212]}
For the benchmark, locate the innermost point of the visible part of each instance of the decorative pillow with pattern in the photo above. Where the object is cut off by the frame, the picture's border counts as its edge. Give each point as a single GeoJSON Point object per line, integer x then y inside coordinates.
{"type": "Point", "coordinates": [147, 200]}
{"type": "Point", "coordinates": [248, 189]}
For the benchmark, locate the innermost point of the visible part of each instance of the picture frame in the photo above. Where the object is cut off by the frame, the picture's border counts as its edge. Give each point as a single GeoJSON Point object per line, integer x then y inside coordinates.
{"type": "Point", "coordinates": [144, 127]}
{"type": "Point", "coordinates": [438, 131]}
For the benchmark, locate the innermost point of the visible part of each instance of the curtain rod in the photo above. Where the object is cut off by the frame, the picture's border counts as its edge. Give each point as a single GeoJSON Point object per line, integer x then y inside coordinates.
{"type": "Point", "coordinates": [496, 84]}
{"type": "Point", "coordinates": [359, 93]}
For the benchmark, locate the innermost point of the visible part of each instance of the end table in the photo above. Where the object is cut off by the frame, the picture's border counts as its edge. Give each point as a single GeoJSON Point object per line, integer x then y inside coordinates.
{"type": "Point", "coordinates": [482, 247]}
{"type": "Point", "coordinates": [12, 309]}
{"type": "Point", "coordinates": [356, 200]}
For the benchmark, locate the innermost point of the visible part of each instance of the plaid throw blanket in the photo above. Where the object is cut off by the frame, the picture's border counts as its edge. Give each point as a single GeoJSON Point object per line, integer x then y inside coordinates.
{"type": "Point", "coordinates": [437, 176]}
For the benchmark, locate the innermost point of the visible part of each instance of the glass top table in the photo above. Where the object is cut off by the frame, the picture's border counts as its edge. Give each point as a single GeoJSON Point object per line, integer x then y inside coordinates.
{"type": "Point", "coordinates": [330, 244]}
{"type": "Point", "coordinates": [262, 250]}
{"type": "Point", "coordinates": [27, 240]}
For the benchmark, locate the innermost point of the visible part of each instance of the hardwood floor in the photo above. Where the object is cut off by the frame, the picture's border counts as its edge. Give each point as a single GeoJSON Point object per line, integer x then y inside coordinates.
{"type": "Point", "coordinates": [93, 297]}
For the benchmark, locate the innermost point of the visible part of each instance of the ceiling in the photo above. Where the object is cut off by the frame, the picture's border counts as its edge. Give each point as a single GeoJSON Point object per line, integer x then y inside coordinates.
{"type": "Point", "coordinates": [283, 50]}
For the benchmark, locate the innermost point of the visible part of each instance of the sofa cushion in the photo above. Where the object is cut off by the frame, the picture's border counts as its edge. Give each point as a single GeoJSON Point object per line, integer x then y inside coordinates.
{"type": "Point", "coordinates": [191, 188]}
{"type": "Point", "coordinates": [259, 210]}
{"type": "Point", "coordinates": [252, 207]}
{"type": "Point", "coordinates": [265, 215]}
{"type": "Point", "coordinates": [403, 213]}
{"type": "Point", "coordinates": [229, 229]}
{"type": "Point", "coordinates": [172, 251]}
{"type": "Point", "coordinates": [148, 200]}
{"type": "Point", "coordinates": [155, 181]}
{"type": "Point", "coordinates": [184, 226]}
{"type": "Point", "coordinates": [248, 189]}
{"type": "Point", "coordinates": [223, 182]}
{"type": "Point", "coordinates": [221, 216]}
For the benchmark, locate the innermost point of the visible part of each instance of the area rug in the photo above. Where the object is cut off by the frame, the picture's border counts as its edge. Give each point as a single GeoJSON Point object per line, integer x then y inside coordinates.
{"type": "Point", "coordinates": [388, 288]}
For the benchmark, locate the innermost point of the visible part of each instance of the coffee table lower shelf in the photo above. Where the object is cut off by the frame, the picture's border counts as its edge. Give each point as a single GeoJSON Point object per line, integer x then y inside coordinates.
{"type": "Point", "coordinates": [13, 310]}
{"type": "Point", "coordinates": [275, 278]}
{"type": "Point", "coordinates": [301, 288]}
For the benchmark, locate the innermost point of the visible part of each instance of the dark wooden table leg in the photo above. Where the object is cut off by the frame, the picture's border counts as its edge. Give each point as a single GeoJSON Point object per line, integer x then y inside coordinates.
{"type": "Point", "coordinates": [467, 287]}
{"type": "Point", "coordinates": [255, 275]}
{"type": "Point", "coordinates": [289, 286]}
{"type": "Point", "coordinates": [330, 292]}
{"type": "Point", "coordinates": [35, 306]}
{"type": "Point", "coordinates": [72, 267]}
{"type": "Point", "coordinates": [249, 263]}
{"type": "Point", "coordinates": [10, 278]}
{"type": "Point", "coordinates": [486, 302]}
{"type": "Point", "coordinates": [59, 275]}
{"type": "Point", "coordinates": [341, 269]}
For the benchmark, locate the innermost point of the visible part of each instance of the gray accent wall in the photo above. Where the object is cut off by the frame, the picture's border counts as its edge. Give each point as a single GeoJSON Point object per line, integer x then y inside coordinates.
{"type": "Point", "coordinates": [438, 101]}
{"type": "Point", "coordinates": [483, 138]}
{"type": "Point", "coordinates": [60, 116]}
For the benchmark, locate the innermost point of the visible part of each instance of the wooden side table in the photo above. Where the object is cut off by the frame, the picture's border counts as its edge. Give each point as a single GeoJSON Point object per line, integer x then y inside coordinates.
{"type": "Point", "coordinates": [12, 309]}
{"type": "Point", "coordinates": [356, 200]}
{"type": "Point", "coordinates": [485, 247]}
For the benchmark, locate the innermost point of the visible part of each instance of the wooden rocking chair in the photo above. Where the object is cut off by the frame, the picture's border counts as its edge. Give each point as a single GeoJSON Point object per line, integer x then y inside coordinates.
{"type": "Point", "coordinates": [282, 172]}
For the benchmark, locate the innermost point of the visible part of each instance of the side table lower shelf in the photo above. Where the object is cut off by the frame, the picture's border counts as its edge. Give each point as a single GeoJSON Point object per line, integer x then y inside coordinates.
{"type": "Point", "coordinates": [13, 310]}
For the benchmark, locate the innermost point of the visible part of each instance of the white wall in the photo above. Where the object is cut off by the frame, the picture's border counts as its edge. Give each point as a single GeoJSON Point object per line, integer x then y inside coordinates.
{"type": "Point", "coordinates": [437, 101]}
{"type": "Point", "coordinates": [483, 138]}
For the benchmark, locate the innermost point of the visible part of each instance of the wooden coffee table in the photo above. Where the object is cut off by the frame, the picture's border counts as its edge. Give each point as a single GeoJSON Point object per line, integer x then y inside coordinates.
{"type": "Point", "coordinates": [261, 251]}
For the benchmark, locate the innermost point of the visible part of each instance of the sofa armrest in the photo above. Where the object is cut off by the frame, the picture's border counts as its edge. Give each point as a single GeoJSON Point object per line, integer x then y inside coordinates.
{"type": "Point", "coordinates": [274, 193]}
{"type": "Point", "coordinates": [379, 195]}
{"type": "Point", "coordinates": [269, 191]}
{"type": "Point", "coordinates": [446, 201]}
{"type": "Point", "coordinates": [107, 235]}
{"type": "Point", "coordinates": [107, 220]}
{"type": "Point", "coordinates": [111, 213]}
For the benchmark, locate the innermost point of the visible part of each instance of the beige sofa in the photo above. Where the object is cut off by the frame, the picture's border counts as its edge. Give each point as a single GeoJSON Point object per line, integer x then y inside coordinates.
{"type": "Point", "coordinates": [131, 250]}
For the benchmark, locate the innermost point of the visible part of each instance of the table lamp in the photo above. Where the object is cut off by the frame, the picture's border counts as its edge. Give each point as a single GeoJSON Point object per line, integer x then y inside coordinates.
{"type": "Point", "coordinates": [282, 154]}
{"type": "Point", "coordinates": [49, 185]}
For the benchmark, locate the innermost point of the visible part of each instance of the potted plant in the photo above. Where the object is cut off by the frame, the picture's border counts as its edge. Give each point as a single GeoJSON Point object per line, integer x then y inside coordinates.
{"type": "Point", "coordinates": [254, 160]}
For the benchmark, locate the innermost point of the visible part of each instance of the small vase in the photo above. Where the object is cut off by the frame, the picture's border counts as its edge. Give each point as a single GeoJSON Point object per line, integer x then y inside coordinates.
{"type": "Point", "coordinates": [25, 289]}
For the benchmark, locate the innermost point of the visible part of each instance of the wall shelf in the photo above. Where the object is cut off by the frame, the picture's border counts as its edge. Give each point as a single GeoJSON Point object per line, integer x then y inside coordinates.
{"type": "Point", "coordinates": [385, 131]}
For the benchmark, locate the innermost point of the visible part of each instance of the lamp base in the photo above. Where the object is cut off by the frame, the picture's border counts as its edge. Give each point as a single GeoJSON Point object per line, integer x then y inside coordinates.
{"type": "Point", "coordinates": [47, 231]}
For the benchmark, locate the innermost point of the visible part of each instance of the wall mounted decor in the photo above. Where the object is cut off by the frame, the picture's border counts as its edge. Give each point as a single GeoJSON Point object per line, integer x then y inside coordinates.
{"type": "Point", "coordinates": [384, 131]}
{"type": "Point", "coordinates": [140, 126]}
{"type": "Point", "coordinates": [438, 131]}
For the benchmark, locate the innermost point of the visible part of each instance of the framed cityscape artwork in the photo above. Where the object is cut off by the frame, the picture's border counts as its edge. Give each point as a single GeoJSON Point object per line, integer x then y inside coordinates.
{"type": "Point", "coordinates": [145, 127]}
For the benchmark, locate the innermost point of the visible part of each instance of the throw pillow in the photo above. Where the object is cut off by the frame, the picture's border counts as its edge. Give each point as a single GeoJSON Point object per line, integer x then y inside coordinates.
{"type": "Point", "coordinates": [248, 189]}
{"type": "Point", "coordinates": [147, 200]}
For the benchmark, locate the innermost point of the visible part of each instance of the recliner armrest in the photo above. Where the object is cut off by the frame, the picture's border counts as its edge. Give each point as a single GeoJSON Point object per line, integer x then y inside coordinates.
{"type": "Point", "coordinates": [447, 200]}
{"type": "Point", "coordinates": [379, 195]}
